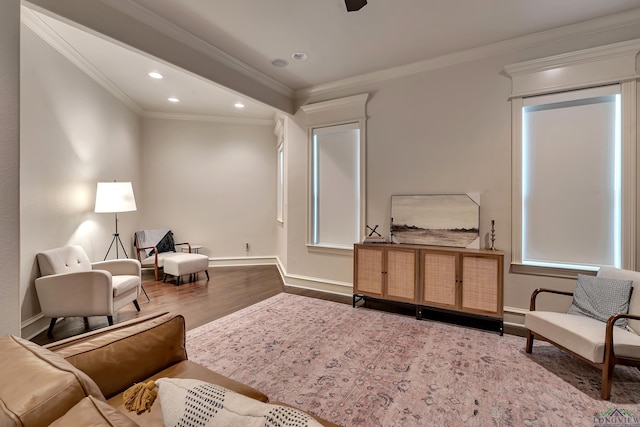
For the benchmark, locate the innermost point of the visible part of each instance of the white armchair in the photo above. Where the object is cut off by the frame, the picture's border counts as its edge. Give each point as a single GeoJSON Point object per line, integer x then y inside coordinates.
{"type": "Point", "coordinates": [72, 286]}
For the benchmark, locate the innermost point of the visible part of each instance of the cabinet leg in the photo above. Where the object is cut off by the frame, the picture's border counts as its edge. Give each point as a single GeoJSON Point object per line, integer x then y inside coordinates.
{"type": "Point", "coordinates": [419, 313]}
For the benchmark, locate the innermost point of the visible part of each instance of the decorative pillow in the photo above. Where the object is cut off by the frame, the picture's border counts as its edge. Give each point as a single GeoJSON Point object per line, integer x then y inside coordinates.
{"type": "Point", "coordinates": [188, 402]}
{"type": "Point", "coordinates": [601, 298]}
{"type": "Point", "coordinates": [92, 412]}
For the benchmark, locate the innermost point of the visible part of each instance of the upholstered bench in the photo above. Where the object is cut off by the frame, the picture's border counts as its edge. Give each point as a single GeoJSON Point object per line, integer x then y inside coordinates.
{"type": "Point", "coordinates": [182, 264]}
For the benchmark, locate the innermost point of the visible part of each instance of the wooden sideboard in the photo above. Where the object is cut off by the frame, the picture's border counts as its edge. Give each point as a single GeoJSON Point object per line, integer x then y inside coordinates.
{"type": "Point", "coordinates": [457, 280]}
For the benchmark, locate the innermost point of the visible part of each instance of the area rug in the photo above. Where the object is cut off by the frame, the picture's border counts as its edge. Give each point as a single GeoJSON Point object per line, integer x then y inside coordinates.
{"type": "Point", "coordinates": [363, 367]}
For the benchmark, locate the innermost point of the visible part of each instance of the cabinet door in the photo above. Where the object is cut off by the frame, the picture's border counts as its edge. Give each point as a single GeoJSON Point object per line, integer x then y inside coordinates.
{"type": "Point", "coordinates": [401, 275]}
{"type": "Point", "coordinates": [439, 279]}
{"type": "Point", "coordinates": [481, 284]}
{"type": "Point", "coordinates": [368, 277]}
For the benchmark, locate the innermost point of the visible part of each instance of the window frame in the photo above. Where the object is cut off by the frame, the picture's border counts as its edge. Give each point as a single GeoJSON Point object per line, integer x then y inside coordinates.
{"type": "Point", "coordinates": [628, 183]}
{"type": "Point", "coordinates": [593, 67]}
{"type": "Point", "coordinates": [335, 112]}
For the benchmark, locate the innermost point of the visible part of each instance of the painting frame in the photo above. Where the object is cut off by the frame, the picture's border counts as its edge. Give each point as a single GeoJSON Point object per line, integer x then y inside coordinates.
{"type": "Point", "coordinates": [451, 220]}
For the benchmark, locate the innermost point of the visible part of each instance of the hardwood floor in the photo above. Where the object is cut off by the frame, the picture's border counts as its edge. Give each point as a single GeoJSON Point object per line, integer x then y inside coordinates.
{"type": "Point", "coordinates": [229, 289]}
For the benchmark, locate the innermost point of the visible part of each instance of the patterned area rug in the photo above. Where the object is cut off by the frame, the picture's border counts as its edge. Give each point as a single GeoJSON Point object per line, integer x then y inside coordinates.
{"type": "Point", "coordinates": [362, 367]}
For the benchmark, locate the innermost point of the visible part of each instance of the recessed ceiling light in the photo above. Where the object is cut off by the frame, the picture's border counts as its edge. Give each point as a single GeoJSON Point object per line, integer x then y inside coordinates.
{"type": "Point", "coordinates": [173, 99]}
{"type": "Point", "coordinates": [299, 56]}
{"type": "Point", "coordinates": [238, 105]}
{"type": "Point", "coordinates": [155, 75]}
{"type": "Point", "coordinates": [279, 63]}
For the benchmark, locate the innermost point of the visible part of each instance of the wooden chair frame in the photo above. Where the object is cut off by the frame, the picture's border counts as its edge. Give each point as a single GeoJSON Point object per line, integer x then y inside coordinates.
{"type": "Point", "coordinates": [610, 359]}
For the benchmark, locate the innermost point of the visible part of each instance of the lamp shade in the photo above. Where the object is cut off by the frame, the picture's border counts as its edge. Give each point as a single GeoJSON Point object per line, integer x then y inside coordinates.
{"type": "Point", "coordinates": [115, 197]}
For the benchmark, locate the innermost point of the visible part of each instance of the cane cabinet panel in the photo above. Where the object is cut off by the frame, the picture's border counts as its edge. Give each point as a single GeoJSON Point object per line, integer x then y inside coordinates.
{"type": "Point", "coordinates": [386, 272]}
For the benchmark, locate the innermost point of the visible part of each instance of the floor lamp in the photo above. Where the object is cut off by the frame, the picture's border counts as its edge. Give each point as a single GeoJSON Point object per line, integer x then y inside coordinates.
{"type": "Point", "coordinates": [114, 197]}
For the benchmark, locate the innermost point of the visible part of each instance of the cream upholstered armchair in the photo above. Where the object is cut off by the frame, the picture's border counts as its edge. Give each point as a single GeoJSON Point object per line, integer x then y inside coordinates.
{"type": "Point", "coordinates": [72, 286]}
{"type": "Point", "coordinates": [591, 329]}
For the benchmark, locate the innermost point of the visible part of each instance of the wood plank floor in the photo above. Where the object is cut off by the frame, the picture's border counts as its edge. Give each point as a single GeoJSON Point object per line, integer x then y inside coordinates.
{"type": "Point", "coordinates": [228, 290]}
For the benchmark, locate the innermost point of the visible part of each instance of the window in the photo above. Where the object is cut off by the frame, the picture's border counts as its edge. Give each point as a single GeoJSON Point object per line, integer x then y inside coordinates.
{"type": "Point", "coordinates": [280, 185]}
{"type": "Point", "coordinates": [335, 185]}
{"type": "Point", "coordinates": [574, 162]}
{"type": "Point", "coordinates": [336, 130]}
{"type": "Point", "coordinates": [571, 179]}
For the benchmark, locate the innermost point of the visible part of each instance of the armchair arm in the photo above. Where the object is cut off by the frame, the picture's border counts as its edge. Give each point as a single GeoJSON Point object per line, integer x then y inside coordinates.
{"type": "Point", "coordinates": [138, 250]}
{"type": "Point", "coordinates": [184, 243]}
{"type": "Point", "coordinates": [534, 295]}
{"type": "Point", "coordinates": [608, 337]}
{"type": "Point", "coordinates": [84, 293]}
{"type": "Point", "coordinates": [119, 267]}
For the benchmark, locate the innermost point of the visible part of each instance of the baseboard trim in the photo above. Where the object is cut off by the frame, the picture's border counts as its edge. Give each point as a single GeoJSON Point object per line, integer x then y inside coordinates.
{"type": "Point", "coordinates": [34, 326]}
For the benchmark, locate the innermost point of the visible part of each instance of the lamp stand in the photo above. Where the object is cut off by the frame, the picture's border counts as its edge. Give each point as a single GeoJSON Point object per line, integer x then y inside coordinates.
{"type": "Point", "coordinates": [116, 240]}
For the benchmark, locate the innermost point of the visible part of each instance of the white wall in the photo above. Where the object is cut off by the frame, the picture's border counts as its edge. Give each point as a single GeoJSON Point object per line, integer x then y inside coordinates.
{"type": "Point", "coordinates": [9, 166]}
{"type": "Point", "coordinates": [212, 183]}
{"type": "Point", "coordinates": [73, 134]}
{"type": "Point", "coordinates": [447, 130]}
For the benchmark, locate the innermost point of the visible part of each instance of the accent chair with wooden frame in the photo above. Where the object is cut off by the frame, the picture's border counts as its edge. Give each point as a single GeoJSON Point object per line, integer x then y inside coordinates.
{"type": "Point", "coordinates": [162, 246]}
{"type": "Point", "coordinates": [600, 344]}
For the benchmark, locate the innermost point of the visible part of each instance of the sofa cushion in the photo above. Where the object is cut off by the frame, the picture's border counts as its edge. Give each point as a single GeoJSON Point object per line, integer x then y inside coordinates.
{"type": "Point", "coordinates": [38, 386]}
{"type": "Point", "coordinates": [601, 298]}
{"type": "Point", "coordinates": [108, 358]}
{"type": "Point", "coordinates": [90, 412]}
{"type": "Point", "coordinates": [195, 402]}
{"type": "Point", "coordinates": [582, 335]}
{"type": "Point", "coordinates": [634, 304]}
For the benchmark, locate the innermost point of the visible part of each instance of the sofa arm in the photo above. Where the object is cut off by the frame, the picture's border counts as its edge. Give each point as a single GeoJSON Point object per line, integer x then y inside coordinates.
{"type": "Point", "coordinates": [119, 267]}
{"type": "Point", "coordinates": [534, 295]}
{"type": "Point", "coordinates": [119, 356]}
{"type": "Point", "coordinates": [83, 293]}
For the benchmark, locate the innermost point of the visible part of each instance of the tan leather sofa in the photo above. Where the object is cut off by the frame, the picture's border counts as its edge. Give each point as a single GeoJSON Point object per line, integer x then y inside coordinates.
{"type": "Point", "coordinates": [80, 380]}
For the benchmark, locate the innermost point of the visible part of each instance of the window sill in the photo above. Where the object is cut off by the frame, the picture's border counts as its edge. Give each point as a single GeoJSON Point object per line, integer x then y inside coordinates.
{"type": "Point", "coordinates": [334, 250]}
{"type": "Point", "coordinates": [548, 271]}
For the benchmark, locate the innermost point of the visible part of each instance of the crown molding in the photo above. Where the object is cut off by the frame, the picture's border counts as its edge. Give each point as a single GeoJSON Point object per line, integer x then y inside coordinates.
{"type": "Point", "coordinates": [600, 65]}
{"type": "Point", "coordinates": [594, 26]}
{"type": "Point", "coordinates": [335, 110]}
{"type": "Point", "coordinates": [207, 118]}
{"type": "Point", "coordinates": [48, 34]}
{"type": "Point", "coordinates": [180, 34]}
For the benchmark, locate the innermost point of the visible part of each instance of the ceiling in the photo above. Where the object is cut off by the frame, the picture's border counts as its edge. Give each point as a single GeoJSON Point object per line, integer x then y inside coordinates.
{"type": "Point", "coordinates": [340, 45]}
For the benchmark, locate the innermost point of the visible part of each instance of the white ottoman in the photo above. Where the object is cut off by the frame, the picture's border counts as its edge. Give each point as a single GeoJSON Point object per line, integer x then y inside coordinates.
{"type": "Point", "coordinates": [181, 264]}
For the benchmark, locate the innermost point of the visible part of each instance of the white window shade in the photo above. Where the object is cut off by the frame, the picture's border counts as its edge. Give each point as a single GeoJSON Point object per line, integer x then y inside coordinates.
{"type": "Point", "coordinates": [571, 172]}
{"type": "Point", "coordinates": [336, 185]}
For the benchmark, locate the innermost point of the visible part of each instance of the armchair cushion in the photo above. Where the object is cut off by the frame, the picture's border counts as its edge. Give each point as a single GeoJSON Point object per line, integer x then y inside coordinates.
{"type": "Point", "coordinates": [68, 259]}
{"type": "Point", "coordinates": [123, 284]}
{"type": "Point", "coordinates": [582, 335]}
{"type": "Point", "coordinates": [601, 298]}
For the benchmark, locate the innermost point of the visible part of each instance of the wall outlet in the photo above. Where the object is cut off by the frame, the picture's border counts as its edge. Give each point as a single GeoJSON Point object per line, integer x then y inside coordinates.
{"type": "Point", "coordinates": [246, 247]}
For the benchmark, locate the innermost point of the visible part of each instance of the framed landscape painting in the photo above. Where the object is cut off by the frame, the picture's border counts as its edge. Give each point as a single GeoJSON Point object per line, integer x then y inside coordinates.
{"type": "Point", "coordinates": [436, 219]}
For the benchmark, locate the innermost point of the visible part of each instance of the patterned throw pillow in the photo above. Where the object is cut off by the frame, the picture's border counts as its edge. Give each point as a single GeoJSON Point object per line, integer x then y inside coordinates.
{"type": "Point", "coordinates": [188, 402]}
{"type": "Point", "coordinates": [601, 298]}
